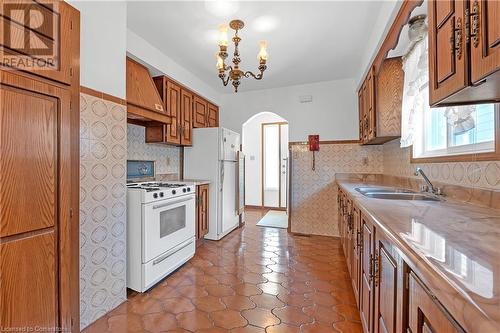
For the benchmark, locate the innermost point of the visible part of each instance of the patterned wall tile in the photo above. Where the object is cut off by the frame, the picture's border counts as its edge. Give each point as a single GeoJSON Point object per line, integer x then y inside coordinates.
{"type": "Point", "coordinates": [167, 157]}
{"type": "Point", "coordinates": [103, 154]}
{"type": "Point", "coordinates": [477, 174]}
{"type": "Point", "coordinates": [314, 193]}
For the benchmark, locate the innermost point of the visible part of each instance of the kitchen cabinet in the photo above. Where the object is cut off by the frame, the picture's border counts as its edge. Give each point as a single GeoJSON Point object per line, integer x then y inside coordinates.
{"type": "Point", "coordinates": [464, 52]}
{"type": "Point", "coordinates": [379, 103]}
{"type": "Point", "coordinates": [202, 210]}
{"type": "Point", "coordinates": [390, 297]}
{"type": "Point", "coordinates": [178, 105]}
{"type": "Point", "coordinates": [205, 114]}
{"type": "Point", "coordinates": [426, 314]}
{"type": "Point", "coordinates": [56, 32]}
{"type": "Point", "coordinates": [356, 252]}
{"type": "Point", "coordinates": [213, 115]}
{"type": "Point", "coordinates": [200, 111]}
{"type": "Point", "coordinates": [366, 299]}
{"type": "Point", "coordinates": [40, 124]}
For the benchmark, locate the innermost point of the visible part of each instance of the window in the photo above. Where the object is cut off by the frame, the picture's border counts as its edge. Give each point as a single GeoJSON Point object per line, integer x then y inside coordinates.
{"type": "Point", "coordinates": [456, 131]}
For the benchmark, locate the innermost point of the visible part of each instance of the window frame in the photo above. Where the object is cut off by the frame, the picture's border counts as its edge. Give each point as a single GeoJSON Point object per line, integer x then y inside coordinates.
{"type": "Point", "coordinates": [463, 157]}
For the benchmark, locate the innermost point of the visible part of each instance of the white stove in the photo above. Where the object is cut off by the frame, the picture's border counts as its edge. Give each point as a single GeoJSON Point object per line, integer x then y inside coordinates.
{"type": "Point", "coordinates": [160, 230]}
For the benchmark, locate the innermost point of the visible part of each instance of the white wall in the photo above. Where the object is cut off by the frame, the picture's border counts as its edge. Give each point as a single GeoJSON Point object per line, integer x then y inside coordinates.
{"type": "Point", "coordinates": [103, 27]}
{"type": "Point", "coordinates": [146, 53]}
{"type": "Point", "coordinates": [333, 113]}
{"type": "Point", "coordinates": [252, 144]}
{"type": "Point", "coordinates": [378, 31]}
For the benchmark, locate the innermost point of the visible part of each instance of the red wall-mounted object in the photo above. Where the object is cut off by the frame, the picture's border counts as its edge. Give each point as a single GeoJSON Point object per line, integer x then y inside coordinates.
{"type": "Point", "coordinates": [313, 142]}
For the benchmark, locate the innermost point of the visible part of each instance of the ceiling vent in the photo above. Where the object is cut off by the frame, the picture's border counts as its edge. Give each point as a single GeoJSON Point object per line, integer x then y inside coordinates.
{"type": "Point", "coordinates": [306, 99]}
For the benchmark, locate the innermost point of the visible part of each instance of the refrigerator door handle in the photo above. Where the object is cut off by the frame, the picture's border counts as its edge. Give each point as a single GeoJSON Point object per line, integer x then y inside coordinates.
{"type": "Point", "coordinates": [222, 176]}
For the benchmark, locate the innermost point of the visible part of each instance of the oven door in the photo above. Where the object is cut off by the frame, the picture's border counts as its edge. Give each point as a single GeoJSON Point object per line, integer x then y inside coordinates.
{"type": "Point", "coordinates": [166, 224]}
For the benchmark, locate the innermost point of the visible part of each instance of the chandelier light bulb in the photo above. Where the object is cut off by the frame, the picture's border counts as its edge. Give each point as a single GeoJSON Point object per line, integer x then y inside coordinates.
{"type": "Point", "coordinates": [220, 63]}
{"type": "Point", "coordinates": [263, 50]}
{"type": "Point", "coordinates": [223, 35]}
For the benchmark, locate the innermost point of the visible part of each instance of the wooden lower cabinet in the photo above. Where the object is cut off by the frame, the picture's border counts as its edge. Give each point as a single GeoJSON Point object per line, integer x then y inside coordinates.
{"type": "Point", "coordinates": [356, 252]}
{"type": "Point", "coordinates": [366, 298]}
{"type": "Point", "coordinates": [425, 313]}
{"type": "Point", "coordinates": [201, 210]}
{"type": "Point", "coordinates": [390, 298]}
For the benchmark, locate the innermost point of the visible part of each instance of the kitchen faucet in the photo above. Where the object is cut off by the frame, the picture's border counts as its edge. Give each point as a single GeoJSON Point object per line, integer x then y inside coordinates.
{"type": "Point", "coordinates": [429, 188]}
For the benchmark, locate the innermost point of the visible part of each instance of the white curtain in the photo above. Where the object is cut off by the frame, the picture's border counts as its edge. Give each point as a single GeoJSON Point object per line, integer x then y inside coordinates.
{"type": "Point", "coordinates": [415, 92]}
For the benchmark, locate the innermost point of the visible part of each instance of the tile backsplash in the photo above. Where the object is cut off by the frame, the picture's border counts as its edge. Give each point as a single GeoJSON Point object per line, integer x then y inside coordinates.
{"type": "Point", "coordinates": [477, 174]}
{"type": "Point", "coordinates": [314, 192]}
{"type": "Point", "coordinates": [103, 155]}
{"type": "Point", "coordinates": [167, 157]}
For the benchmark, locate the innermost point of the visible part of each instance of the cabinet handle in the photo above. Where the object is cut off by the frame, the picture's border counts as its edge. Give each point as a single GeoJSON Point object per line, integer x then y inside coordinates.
{"type": "Point", "coordinates": [359, 240]}
{"type": "Point", "coordinates": [474, 29]}
{"type": "Point", "coordinates": [373, 267]}
{"type": "Point", "coordinates": [456, 38]}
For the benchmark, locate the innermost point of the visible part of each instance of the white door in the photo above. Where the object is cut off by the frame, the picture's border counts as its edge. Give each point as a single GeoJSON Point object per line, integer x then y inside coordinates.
{"type": "Point", "coordinates": [274, 164]}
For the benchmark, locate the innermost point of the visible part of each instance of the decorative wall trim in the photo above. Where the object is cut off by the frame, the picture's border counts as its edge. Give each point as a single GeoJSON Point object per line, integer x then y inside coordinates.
{"type": "Point", "coordinates": [98, 94]}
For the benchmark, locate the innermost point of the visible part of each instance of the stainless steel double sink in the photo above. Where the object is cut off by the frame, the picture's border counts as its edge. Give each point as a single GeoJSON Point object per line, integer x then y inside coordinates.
{"type": "Point", "coordinates": [393, 193]}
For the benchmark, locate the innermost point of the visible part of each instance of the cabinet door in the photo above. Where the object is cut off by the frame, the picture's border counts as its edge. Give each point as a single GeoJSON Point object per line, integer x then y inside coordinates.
{"type": "Point", "coordinates": [202, 210]}
{"type": "Point", "coordinates": [35, 126]}
{"type": "Point", "coordinates": [447, 51]}
{"type": "Point", "coordinates": [385, 291]}
{"type": "Point", "coordinates": [173, 106]}
{"type": "Point", "coordinates": [366, 291]}
{"type": "Point", "coordinates": [200, 110]}
{"type": "Point", "coordinates": [360, 111]}
{"type": "Point", "coordinates": [41, 46]}
{"type": "Point", "coordinates": [485, 38]}
{"type": "Point", "coordinates": [370, 105]}
{"type": "Point", "coordinates": [356, 255]}
{"type": "Point", "coordinates": [213, 115]}
{"type": "Point", "coordinates": [425, 315]}
{"type": "Point", "coordinates": [186, 118]}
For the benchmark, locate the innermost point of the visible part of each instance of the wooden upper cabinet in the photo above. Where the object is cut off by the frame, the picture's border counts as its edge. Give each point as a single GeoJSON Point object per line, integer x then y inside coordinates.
{"type": "Point", "coordinates": [447, 52]}
{"type": "Point", "coordinates": [186, 118]}
{"type": "Point", "coordinates": [200, 111]}
{"type": "Point", "coordinates": [484, 39]}
{"type": "Point", "coordinates": [213, 115]}
{"type": "Point", "coordinates": [54, 31]}
{"type": "Point", "coordinates": [370, 105]}
{"type": "Point", "coordinates": [173, 106]}
{"type": "Point", "coordinates": [464, 56]}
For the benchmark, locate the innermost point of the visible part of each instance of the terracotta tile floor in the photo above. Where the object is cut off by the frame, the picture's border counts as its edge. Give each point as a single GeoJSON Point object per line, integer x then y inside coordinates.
{"type": "Point", "coordinates": [254, 280]}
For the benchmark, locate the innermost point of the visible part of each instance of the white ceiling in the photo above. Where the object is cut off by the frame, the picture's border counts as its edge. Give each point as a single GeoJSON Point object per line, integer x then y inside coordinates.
{"type": "Point", "coordinates": [309, 41]}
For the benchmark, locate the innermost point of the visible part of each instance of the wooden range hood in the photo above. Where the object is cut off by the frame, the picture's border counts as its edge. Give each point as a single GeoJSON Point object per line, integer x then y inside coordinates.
{"type": "Point", "coordinates": [144, 104]}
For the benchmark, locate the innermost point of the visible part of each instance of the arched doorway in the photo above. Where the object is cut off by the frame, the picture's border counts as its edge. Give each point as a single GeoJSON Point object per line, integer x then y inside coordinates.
{"type": "Point", "coordinates": [265, 145]}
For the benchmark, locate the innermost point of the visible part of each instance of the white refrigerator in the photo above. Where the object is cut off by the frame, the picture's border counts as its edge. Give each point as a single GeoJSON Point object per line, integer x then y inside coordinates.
{"type": "Point", "coordinates": [214, 157]}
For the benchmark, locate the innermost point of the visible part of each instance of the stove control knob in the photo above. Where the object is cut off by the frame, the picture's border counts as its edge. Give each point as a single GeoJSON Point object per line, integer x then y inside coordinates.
{"type": "Point", "coordinates": [174, 192]}
{"type": "Point", "coordinates": [155, 195]}
{"type": "Point", "coordinates": [189, 189]}
{"type": "Point", "coordinates": [184, 190]}
{"type": "Point", "coordinates": [161, 194]}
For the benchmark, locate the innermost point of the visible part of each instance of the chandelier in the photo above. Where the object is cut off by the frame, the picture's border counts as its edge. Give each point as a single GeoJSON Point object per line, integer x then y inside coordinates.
{"type": "Point", "coordinates": [234, 73]}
